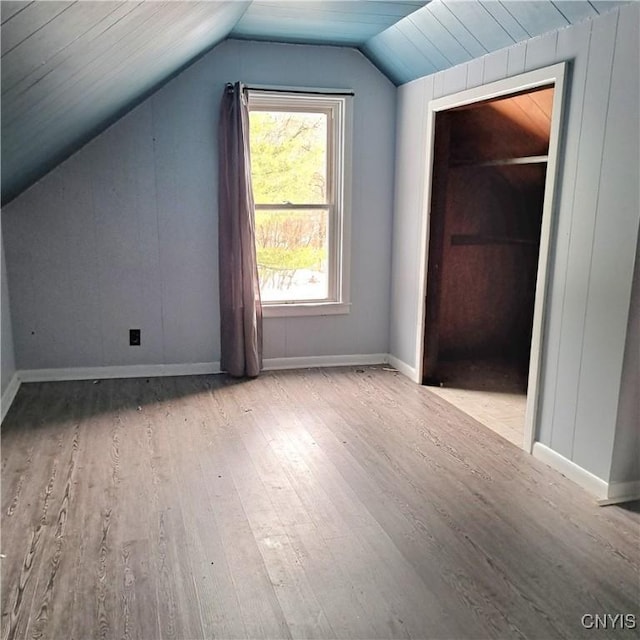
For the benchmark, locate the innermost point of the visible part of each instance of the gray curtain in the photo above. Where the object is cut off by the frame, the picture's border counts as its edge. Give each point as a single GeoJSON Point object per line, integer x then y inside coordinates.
{"type": "Point", "coordinates": [240, 306]}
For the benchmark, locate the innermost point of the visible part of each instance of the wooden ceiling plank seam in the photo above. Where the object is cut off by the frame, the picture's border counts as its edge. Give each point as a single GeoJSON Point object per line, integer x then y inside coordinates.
{"type": "Point", "coordinates": [31, 82]}
{"type": "Point", "coordinates": [505, 19]}
{"type": "Point", "coordinates": [317, 17]}
{"type": "Point", "coordinates": [89, 92]}
{"type": "Point", "coordinates": [417, 38]}
{"type": "Point", "coordinates": [379, 49]}
{"type": "Point", "coordinates": [385, 10]}
{"type": "Point", "coordinates": [71, 148]}
{"type": "Point", "coordinates": [257, 23]}
{"type": "Point", "coordinates": [149, 11]}
{"type": "Point", "coordinates": [481, 24]}
{"type": "Point", "coordinates": [408, 53]}
{"type": "Point", "coordinates": [315, 39]}
{"type": "Point", "coordinates": [447, 44]}
{"type": "Point", "coordinates": [511, 40]}
{"type": "Point", "coordinates": [291, 27]}
{"type": "Point", "coordinates": [282, 21]}
{"type": "Point", "coordinates": [465, 39]}
{"type": "Point", "coordinates": [506, 137]}
{"type": "Point", "coordinates": [66, 101]}
{"type": "Point", "coordinates": [26, 76]}
{"type": "Point", "coordinates": [109, 26]}
{"type": "Point", "coordinates": [392, 8]}
{"type": "Point", "coordinates": [399, 69]}
{"type": "Point", "coordinates": [603, 6]}
{"type": "Point", "coordinates": [505, 5]}
{"type": "Point", "coordinates": [435, 53]}
{"type": "Point", "coordinates": [9, 9]}
{"type": "Point", "coordinates": [540, 120]}
{"type": "Point", "coordinates": [537, 17]}
{"type": "Point", "coordinates": [424, 23]}
{"type": "Point", "coordinates": [371, 51]}
{"type": "Point", "coordinates": [51, 11]}
{"type": "Point", "coordinates": [575, 11]}
{"type": "Point", "coordinates": [544, 100]}
{"type": "Point", "coordinates": [444, 49]}
{"type": "Point", "coordinates": [516, 110]}
{"type": "Point", "coordinates": [393, 40]}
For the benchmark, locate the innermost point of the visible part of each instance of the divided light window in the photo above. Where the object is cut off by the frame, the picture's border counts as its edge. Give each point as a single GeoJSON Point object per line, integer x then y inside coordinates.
{"type": "Point", "coordinates": [297, 168]}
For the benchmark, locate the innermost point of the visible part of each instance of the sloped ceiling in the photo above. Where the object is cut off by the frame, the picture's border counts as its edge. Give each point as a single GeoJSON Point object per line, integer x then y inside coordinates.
{"type": "Point", "coordinates": [69, 69]}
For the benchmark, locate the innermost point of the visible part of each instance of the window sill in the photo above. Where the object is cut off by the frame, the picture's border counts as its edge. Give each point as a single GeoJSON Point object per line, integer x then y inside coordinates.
{"type": "Point", "coordinates": [305, 309]}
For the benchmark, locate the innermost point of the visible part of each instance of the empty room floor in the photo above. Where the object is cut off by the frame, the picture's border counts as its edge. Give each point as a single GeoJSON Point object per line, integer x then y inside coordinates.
{"type": "Point", "coordinates": [335, 503]}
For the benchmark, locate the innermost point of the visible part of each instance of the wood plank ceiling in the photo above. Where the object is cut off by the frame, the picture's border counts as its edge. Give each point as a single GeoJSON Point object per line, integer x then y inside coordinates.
{"type": "Point", "coordinates": [71, 68]}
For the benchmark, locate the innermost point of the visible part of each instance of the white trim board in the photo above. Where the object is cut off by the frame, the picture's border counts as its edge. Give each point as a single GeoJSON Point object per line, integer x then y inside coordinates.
{"type": "Point", "coordinates": [402, 367]}
{"type": "Point", "coordinates": [594, 485]}
{"type": "Point", "coordinates": [306, 362]}
{"type": "Point", "coordinates": [9, 394]}
{"type": "Point", "coordinates": [621, 492]}
{"type": "Point", "coordinates": [606, 493]}
{"type": "Point", "coordinates": [124, 371]}
{"type": "Point", "coordinates": [198, 368]}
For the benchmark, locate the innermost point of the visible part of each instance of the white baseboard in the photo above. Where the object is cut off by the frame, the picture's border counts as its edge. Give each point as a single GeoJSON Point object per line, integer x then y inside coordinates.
{"type": "Point", "coordinates": [403, 368]}
{"type": "Point", "coordinates": [594, 485]}
{"type": "Point", "coordinates": [306, 362]}
{"type": "Point", "coordinates": [9, 395]}
{"type": "Point", "coordinates": [199, 368]}
{"type": "Point", "coordinates": [622, 492]}
{"type": "Point", "coordinates": [126, 371]}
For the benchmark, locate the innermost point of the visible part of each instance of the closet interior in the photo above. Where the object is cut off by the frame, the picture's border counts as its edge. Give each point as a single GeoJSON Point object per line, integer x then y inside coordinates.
{"type": "Point", "coordinates": [488, 186]}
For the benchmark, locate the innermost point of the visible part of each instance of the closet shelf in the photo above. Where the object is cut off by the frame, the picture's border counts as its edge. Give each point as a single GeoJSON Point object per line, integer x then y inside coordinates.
{"type": "Point", "coordinates": [477, 239]}
{"type": "Point", "coordinates": [502, 162]}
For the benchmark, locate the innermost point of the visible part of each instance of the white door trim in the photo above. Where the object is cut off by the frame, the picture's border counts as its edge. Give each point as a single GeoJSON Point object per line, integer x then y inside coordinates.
{"type": "Point", "coordinates": [552, 75]}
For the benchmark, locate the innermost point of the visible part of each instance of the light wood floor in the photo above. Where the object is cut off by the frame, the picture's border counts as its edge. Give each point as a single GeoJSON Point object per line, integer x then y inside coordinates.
{"type": "Point", "coordinates": [345, 503]}
{"type": "Point", "coordinates": [493, 392]}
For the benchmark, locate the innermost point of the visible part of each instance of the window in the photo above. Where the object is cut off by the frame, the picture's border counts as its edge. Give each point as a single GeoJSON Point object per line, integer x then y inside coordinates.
{"type": "Point", "coordinates": [298, 167]}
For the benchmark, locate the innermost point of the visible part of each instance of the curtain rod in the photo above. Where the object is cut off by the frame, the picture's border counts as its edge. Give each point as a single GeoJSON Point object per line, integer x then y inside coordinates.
{"type": "Point", "coordinates": [337, 92]}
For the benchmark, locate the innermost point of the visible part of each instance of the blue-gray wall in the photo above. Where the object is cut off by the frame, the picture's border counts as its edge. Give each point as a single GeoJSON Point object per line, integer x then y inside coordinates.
{"type": "Point", "coordinates": [626, 451]}
{"type": "Point", "coordinates": [595, 227]}
{"type": "Point", "coordinates": [124, 234]}
{"type": "Point", "coordinates": [7, 359]}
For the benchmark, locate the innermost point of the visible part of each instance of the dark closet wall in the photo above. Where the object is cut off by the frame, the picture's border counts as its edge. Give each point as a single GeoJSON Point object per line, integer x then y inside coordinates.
{"type": "Point", "coordinates": [492, 219]}
{"type": "Point", "coordinates": [489, 266]}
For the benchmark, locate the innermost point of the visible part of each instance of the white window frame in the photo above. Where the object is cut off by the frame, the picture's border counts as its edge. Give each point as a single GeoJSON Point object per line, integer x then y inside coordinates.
{"type": "Point", "coordinates": [338, 106]}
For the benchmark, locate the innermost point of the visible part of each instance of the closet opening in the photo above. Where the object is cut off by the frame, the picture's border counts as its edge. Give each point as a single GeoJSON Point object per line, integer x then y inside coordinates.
{"type": "Point", "coordinates": [486, 252]}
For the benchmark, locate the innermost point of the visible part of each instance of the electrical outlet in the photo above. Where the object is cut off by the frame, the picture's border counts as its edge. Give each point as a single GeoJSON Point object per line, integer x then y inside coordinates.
{"type": "Point", "coordinates": [134, 337]}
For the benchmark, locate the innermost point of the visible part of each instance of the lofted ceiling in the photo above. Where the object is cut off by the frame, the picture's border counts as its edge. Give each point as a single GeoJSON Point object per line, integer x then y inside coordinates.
{"type": "Point", "coordinates": [71, 68]}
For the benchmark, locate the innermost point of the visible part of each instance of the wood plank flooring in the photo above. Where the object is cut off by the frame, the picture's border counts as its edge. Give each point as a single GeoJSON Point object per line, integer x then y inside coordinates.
{"type": "Point", "coordinates": [335, 503]}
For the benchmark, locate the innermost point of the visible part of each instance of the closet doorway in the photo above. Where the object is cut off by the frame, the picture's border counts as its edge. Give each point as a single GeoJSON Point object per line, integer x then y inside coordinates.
{"type": "Point", "coordinates": [487, 236]}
